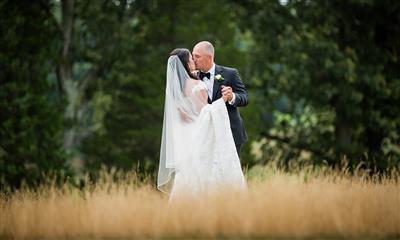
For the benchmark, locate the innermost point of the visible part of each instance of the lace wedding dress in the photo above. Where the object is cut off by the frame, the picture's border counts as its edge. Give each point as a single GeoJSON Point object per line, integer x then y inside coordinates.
{"type": "Point", "coordinates": [198, 153]}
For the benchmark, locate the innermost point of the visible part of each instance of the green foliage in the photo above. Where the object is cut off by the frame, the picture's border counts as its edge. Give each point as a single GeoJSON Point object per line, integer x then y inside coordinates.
{"type": "Point", "coordinates": [30, 125]}
{"type": "Point", "coordinates": [322, 76]}
{"type": "Point", "coordinates": [336, 63]}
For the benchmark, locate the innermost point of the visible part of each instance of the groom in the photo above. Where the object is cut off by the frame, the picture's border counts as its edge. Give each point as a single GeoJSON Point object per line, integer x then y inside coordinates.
{"type": "Point", "coordinates": [221, 81]}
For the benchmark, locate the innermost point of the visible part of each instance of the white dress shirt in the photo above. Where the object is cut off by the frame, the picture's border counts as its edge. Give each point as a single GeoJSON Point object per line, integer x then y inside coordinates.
{"type": "Point", "coordinates": [210, 82]}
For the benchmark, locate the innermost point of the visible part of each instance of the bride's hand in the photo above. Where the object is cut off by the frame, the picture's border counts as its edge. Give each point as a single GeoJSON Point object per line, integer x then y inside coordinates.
{"type": "Point", "coordinates": [224, 95]}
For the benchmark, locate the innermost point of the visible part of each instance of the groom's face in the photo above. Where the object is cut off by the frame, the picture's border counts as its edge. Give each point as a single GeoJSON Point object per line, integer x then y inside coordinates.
{"type": "Point", "coordinates": [202, 60]}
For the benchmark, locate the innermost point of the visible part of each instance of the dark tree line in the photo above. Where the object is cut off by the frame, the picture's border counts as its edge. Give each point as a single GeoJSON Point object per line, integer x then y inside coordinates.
{"type": "Point", "coordinates": [82, 82]}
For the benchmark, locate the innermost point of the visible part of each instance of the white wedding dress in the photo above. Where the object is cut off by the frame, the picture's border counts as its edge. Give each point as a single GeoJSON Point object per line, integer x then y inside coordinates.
{"type": "Point", "coordinates": [198, 153]}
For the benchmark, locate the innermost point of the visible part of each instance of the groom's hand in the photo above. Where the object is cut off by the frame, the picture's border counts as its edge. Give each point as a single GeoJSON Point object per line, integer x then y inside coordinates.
{"type": "Point", "coordinates": [227, 93]}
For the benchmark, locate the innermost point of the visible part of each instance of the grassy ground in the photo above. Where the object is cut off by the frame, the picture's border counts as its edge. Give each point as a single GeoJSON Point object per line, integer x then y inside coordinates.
{"type": "Point", "coordinates": [306, 204]}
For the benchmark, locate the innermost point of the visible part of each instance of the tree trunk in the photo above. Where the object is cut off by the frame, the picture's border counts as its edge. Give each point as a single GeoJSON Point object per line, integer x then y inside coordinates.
{"type": "Point", "coordinates": [77, 108]}
{"type": "Point", "coordinates": [343, 134]}
{"type": "Point", "coordinates": [68, 85]}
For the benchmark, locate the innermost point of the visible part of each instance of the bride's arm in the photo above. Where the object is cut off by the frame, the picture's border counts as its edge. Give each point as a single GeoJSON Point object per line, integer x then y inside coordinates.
{"type": "Point", "coordinates": [196, 98]}
{"type": "Point", "coordinates": [199, 96]}
{"type": "Point", "coordinates": [203, 96]}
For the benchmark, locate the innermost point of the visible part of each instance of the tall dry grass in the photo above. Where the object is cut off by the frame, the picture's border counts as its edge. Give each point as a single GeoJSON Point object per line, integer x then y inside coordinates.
{"type": "Point", "coordinates": [276, 205]}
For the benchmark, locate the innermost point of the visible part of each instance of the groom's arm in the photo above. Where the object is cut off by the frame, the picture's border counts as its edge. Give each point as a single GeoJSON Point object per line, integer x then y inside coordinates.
{"type": "Point", "coordinates": [240, 98]}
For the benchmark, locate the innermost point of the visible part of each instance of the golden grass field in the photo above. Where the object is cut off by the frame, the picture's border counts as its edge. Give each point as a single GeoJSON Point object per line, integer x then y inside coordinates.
{"type": "Point", "coordinates": [277, 205]}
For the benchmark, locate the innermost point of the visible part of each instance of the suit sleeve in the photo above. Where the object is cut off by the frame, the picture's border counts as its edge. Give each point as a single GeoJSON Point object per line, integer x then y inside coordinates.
{"type": "Point", "coordinates": [239, 89]}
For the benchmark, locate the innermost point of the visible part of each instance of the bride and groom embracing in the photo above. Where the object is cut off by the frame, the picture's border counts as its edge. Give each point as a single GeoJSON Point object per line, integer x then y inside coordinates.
{"type": "Point", "coordinates": [202, 130]}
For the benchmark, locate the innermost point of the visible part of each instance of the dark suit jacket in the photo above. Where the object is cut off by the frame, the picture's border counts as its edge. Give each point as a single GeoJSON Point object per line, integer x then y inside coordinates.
{"type": "Point", "coordinates": [232, 79]}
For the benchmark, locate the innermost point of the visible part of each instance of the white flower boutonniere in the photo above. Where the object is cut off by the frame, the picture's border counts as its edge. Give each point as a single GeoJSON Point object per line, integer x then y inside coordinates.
{"type": "Point", "coordinates": [218, 77]}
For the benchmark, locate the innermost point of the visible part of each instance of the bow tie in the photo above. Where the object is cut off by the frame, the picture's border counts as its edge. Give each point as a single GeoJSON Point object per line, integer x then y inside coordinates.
{"type": "Point", "coordinates": [202, 75]}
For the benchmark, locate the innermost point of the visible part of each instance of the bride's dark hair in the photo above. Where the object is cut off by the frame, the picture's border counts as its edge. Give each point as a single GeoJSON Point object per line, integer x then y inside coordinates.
{"type": "Point", "coordinates": [183, 55]}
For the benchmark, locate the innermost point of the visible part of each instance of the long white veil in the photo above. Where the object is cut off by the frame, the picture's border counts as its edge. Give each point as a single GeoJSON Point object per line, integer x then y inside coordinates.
{"type": "Point", "coordinates": [181, 109]}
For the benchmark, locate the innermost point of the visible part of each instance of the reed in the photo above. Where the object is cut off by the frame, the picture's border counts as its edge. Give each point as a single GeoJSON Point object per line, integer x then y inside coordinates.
{"type": "Point", "coordinates": [297, 205]}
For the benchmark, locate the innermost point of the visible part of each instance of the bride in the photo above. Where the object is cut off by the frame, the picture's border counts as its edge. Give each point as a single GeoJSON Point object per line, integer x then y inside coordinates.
{"type": "Point", "coordinates": [198, 153]}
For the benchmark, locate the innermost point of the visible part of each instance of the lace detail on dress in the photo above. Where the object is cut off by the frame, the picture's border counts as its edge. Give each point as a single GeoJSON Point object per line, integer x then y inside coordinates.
{"type": "Point", "coordinates": [213, 162]}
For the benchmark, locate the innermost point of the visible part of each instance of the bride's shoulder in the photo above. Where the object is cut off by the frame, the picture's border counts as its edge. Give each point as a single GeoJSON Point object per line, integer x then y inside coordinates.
{"type": "Point", "coordinates": [201, 83]}
{"type": "Point", "coordinates": [198, 85]}
{"type": "Point", "coordinates": [197, 82]}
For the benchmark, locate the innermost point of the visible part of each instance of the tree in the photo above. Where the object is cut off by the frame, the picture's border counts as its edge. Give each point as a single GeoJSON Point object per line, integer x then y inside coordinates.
{"type": "Point", "coordinates": [331, 70]}
{"type": "Point", "coordinates": [30, 124]}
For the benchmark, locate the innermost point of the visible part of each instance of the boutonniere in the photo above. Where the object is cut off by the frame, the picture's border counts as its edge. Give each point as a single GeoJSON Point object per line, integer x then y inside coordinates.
{"type": "Point", "coordinates": [218, 77]}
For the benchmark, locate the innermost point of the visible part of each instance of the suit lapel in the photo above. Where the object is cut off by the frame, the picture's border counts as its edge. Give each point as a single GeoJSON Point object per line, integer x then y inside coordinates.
{"type": "Point", "coordinates": [216, 87]}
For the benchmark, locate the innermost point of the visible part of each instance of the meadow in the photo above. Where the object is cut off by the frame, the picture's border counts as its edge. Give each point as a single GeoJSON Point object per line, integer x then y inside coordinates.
{"type": "Point", "coordinates": [306, 204]}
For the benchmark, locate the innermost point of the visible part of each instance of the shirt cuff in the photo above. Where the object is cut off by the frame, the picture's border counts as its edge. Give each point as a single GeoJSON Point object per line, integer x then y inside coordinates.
{"type": "Point", "coordinates": [231, 102]}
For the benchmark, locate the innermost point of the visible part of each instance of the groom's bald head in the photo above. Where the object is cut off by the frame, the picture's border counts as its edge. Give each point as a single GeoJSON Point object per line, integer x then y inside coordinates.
{"type": "Point", "coordinates": [206, 47]}
{"type": "Point", "coordinates": [203, 54]}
